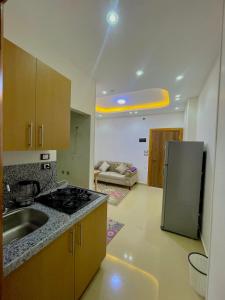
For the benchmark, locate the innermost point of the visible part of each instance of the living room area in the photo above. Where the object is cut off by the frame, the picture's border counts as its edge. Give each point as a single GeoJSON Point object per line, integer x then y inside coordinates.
{"type": "Point", "coordinates": [130, 109]}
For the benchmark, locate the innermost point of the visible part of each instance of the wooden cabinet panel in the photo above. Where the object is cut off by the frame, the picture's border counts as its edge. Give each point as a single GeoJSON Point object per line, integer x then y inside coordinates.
{"type": "Point", "coordinates": [47, 276]}
{"type": "Point", "coordinates": [52, 108]}
{"type": "Point", "coordinates": [90, 247]}
{"type": "Point", "coordinates": [57, 269]}
{"type": "Point", "coordinates": [19, 98]}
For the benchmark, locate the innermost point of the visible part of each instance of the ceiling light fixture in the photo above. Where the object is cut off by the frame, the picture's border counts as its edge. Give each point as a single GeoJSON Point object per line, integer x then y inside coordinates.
{"type": "Point", "coordinates": [180, 77]}
{"type": "Point", "coordinates": [121, 101]}
{"type": "Point", "coordinates": [104, 92]}
{"type": "Point", "coordinates": [164, 102]}
{"type": "Point", "coordinates": [130, 112]}
{"type": "Point", "coordinates": [100, 116]}
{"type": "Point", "coordinates": [139, 73]}
{"type": "Point", "coordinates": [136, 112]}
{"type": "Point", "coordinates": [176, 108]}
{"type": "Point", "coordinates": [112, 18]}
{"type": "Point", "coordinates": [177, 98]}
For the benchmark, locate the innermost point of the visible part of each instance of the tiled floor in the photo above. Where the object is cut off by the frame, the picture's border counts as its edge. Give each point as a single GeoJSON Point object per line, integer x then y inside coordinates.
{"type": "Point", "coordinates": [143, 262]}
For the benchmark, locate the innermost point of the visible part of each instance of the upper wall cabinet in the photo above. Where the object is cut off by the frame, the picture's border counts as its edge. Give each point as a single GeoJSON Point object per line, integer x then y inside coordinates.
{"type": "Point", "coordinates": [52, 109]}
{"type": "Point", "coordinates": [19, 70]}
{"type": "Point", "coordinates": [36, 109]}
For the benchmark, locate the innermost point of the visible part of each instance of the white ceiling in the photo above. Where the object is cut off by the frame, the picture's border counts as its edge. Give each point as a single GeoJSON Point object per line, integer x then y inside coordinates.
{"type": "Point", "coordinates": [164, 37]}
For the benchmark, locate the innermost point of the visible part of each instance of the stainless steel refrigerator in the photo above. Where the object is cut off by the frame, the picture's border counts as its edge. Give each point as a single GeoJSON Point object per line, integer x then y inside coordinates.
{"type": "Point", "coordinates": [182, 185]}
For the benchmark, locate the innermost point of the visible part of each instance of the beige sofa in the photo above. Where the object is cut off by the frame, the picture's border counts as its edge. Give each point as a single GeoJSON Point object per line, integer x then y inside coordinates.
{"type": "Point", "coordinates": [112, 176]}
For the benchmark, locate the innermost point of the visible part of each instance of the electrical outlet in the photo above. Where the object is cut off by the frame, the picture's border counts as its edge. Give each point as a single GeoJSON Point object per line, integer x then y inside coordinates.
{"type": "Point", "coordinates": [46, 166]}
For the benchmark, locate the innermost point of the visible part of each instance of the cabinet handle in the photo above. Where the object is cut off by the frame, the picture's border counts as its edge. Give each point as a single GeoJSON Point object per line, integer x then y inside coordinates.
{"type": "Point", "coordinates": [30, 134]}
{"type": "Point", "coordinates": [41, 135]}
{"type": "Point", "coordinates": [81, 235]}
{"type": "Point", "coordinates": [71, 242]}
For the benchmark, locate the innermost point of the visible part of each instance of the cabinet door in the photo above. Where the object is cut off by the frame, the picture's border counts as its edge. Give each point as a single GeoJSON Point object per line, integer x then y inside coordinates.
{"type": "Point", "coordinates": [52, 109]}
{"type": "Point", "coordinates": [90, 250]}
{"type": "Point", "coordinates": [49, 275]}
{"type": "Point", "coordinates": [57, 269]}
{"type": "Point", "coordinates": [19, 98]}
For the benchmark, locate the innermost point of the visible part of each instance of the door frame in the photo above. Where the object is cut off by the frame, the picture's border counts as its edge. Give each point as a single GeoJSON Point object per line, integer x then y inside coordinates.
{"type": "Point", "coordinates": [180, 130]}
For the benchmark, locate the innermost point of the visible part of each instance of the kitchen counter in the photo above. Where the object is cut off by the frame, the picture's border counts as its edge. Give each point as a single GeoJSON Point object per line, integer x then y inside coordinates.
{"type": "Point", "coordinates": [19, 251]}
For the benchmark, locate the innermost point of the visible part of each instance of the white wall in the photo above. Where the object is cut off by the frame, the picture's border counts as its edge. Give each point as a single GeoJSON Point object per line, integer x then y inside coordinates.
{"type": "Point", "coordinates": [25, 157]}
{"type": "Point", "coordinates": [21, 30]}
{"type": "Point", "coordinates": [190, 120]}
{"type": "Point", "coordinates": [216, 288]}
{"type": "Point", "coordinates": [206, 131]}
{"type": "Point", "coordinates": [117, 139]}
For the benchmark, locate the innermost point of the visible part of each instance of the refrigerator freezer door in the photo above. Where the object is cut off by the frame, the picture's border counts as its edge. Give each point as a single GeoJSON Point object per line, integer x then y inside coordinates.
{"type": "Point", "coordinates": [182, 194]}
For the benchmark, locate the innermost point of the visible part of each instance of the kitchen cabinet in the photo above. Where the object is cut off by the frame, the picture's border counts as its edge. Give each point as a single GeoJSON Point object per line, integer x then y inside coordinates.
{"type": "Point", "coordinates": [36, 109]}
{"type": "Point", "coordinates": [64, 268]}
{"type": "Point", "coordinates": [52, 109]}
{"type": "Point", "coordinates": [19, 98]}
{"type": "Point", "coordinates": [49, 275]}
{"type": "Point", "coordinates": [90, 249]}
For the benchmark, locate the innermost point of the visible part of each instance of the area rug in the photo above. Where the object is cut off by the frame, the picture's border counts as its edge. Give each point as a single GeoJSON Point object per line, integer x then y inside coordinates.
{"type": "Point", "coordinates": [113, 227]}
{"type": "Point", "coordinates": [116, 193]}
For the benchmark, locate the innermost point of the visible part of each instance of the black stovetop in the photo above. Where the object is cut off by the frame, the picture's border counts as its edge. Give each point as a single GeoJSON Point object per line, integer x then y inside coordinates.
{"type": "Point", "coordinates": [68, 200]}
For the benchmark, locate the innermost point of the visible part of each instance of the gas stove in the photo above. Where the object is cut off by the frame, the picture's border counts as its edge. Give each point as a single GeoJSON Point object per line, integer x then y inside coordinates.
{"type": "Point", "coordinates": [68, 200]}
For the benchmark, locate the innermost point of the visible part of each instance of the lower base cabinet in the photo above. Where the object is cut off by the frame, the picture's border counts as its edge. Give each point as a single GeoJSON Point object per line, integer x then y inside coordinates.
{"type": "Point", "coordinates": [46, 276]}
{"type": "Point", "coordinates": [90, 249]}
{"type": "Point", "coordinates": [62, 270]}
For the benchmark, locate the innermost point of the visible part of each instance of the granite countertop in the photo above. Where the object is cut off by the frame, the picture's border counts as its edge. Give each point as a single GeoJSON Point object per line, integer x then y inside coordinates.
{"type": "Point", "coordinates": [19, 251]}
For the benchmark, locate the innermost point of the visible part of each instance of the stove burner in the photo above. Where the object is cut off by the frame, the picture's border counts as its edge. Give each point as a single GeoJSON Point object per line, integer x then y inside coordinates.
{"type": "Point", "coordinates": [68, 200]}
{"type": "Point", "coordinates": [68, 203]}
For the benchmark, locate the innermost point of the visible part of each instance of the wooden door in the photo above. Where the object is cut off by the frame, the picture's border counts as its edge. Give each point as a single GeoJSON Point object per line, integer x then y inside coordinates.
{"type": "Point", "coordinates": [52, 109]}
{"type": "Point", "coordinates": [19, 98]}
{"type": "Point", "coordinates": [90, 250]}
{"type": "Point", "coordinates": [49, 275]}
{"type": "Point", "coordinates": [157, 142]}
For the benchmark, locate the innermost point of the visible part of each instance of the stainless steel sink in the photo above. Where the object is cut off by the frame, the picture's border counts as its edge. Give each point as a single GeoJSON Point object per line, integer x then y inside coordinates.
{"type": "Point", "coordinates": [21, 222]}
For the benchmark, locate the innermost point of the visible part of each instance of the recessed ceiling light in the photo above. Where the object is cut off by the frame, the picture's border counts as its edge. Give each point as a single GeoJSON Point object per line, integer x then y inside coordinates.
{"type": "Point", "coordinates": [139, 73]}
{"type": "Point", "coordinates": [104, 92]}
{"type": "Point", "coordinates": [180, 77]}
{"type": "Point", "coordinates": [121, 101]}
{"type": "Point", "coordinates": [136, 112]}
{"type": "Point", "coordinates": [130, 112]}
{"type": "Point", "coordinates": [176, 108]}
{"type": "Point", "coordinates": [100, 116]}
{"type": "Point", "coordinates": [178, 97]}
{"type": "Point", "coordinates": [112, 18]}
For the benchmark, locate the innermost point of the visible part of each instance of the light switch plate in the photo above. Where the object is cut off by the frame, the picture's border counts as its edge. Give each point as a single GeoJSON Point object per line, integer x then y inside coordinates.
{"type": "Point", "coordinates": [45, 156]}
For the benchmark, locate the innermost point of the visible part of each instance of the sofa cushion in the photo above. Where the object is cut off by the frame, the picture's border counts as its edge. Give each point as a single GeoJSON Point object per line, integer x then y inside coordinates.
{"type": "Point", "coordinates": [98, 165]}
{"type": "Point", "coordinates": [114, 165]}
{"type": "Point", "coordinates": [121, 168]}
{"type": "Point", "coordinates": [104, 167]}
{"type": "Point", "coordinates": [112, 175]}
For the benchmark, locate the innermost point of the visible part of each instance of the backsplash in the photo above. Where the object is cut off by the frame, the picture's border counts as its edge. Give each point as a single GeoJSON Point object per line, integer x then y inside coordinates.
{"type": "Point", "coordinates": [13, 174]}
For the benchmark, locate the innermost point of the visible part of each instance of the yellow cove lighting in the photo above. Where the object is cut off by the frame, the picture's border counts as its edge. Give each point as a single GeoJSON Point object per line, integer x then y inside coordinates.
{"type": "Point", "coordinates": [164, 102]}
{"type": "Point", "coordinates": [134, 268]}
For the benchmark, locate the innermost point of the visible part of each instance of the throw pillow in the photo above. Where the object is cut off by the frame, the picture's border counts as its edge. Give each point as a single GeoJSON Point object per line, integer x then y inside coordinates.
{"type": "Point", "coordinates": [104, 167]}
{"type": "Point", "coordinates": [97, 166]}
{"type": "Point", "coordinates": [121, 169]}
